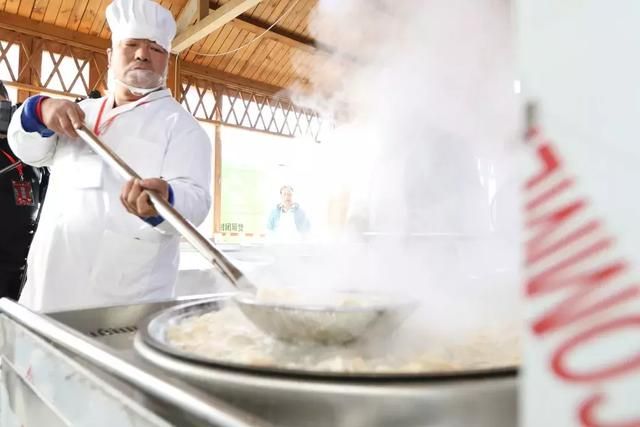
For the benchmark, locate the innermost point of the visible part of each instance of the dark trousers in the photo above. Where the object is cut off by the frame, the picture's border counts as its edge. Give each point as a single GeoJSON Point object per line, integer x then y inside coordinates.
{"type": "Point", "coordinates": [11, 282]}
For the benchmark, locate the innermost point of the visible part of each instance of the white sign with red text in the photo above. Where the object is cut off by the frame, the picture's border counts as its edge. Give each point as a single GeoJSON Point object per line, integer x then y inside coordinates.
{"type": "Point", "coordinates": [580, 65]}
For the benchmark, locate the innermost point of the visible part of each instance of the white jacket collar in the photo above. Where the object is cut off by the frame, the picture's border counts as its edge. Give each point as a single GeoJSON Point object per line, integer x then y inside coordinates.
{"type": "Point", "coordinates": [110, 111]}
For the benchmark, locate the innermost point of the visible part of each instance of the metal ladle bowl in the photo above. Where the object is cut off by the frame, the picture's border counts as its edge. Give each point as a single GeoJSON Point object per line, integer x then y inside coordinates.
{"type": "Point", "coordinates": [326, 324]}
{"type": "Point", "coordinates": [329, 324]}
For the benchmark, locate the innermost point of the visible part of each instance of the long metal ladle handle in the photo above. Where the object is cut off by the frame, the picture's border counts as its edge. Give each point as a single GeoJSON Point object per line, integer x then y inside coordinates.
{"type": "Point", "coordinates": [169, 213]}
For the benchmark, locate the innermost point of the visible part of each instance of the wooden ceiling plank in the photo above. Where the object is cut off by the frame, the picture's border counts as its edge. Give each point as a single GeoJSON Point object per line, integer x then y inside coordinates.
{"type": "Point", "coordinates": [26, 6]}
{"type": "Point", "coordinates": [221, 62]}
{"type": "Point", "coordinates": [249, 11]}
{"type": "Point", "coordinates": [270, 61]}
{"type": "Point", "coordinates": [11, 6]}
{"type": "Point", "coordinates": [227, 60]}
{"type": "Point", "coordinates": [258, 58]}
{"type": "Point", "coordinates": [88, 17]}
{"type": "Point", "coordinates": [252, 12]}
{"type": "Point", "coordinates": [255, 57]}
{"type": "Point", "coordinates": [193, 11]}
{"type": "Point", "coordinates": [290, 65]}
{"type": "Point", "coordinates": [215, 40]}
{"type": "Point", "coordinates": [76, 14]}
{"type": "Point", "coordinates": [52, 33]}
{"type": "Point", "coordinates": [39, 7]}
{"type": "Point", "coordinates": [247, 55]}
{"type": "Point", "coordinates": [284, 63]}
{"type": "Point", "coordinates": [223, 46]}
{"type": "Point", "coordinates": [283, 59]}
{"type": "Point", "coordinates": [209, 44]}
{"type": "Point", "coordinates": [266, 8]}
{"type": "Point", "coordinates": [190, 54]}
{"type": "Point", "coordinates": [99, 20]}
{"type": "Point", "coordinates": [211, 22]}
{"type": "Point", "coordinates": [290, 22]}
{"type": "Point", "coordinates": [302, 25]}
{"type": "Point", "coordinates": [260, 74]}
{"type": "Point", "coordinates": [269, 18]}
{"type": "Point", "coordinates": [285, 69]}
{"type": "Point", "coordinates": [65, 12]}
{"type": "Point", "coordinates": [289, 71]}
{"type": "Point", "coordinates": [51, 13]}
{"type": "Point", "coordinates": [105, 33]}
{"type": "Point", "coordinates": [247, 37]}
{"type": "Point", "coordinates": [223, 37]}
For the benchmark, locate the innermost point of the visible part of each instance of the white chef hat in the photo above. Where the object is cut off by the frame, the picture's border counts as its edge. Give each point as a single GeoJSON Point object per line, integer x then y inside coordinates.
{"type": "Point", "coordinates": [141, 19]}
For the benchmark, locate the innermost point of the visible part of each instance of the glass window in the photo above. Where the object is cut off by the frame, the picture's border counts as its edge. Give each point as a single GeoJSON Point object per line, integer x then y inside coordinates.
{"type": "Point", "coordinates": [9, 61]}
{"type": "Point", "coordinates": [70, 76]}
{"type": "Point", "coordinates": [9, 66]}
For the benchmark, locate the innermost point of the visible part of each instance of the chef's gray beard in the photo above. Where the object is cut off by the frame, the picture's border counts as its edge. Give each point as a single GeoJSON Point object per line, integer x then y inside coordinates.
{"type": "Point", "coordinates": [139, 82]}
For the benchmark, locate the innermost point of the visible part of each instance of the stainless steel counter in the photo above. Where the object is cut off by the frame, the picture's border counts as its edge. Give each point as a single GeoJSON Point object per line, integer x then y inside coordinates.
{"type": "Point", "coordinates": [104, 342]}
{"type": "Point", "coordinates": [91, 375]}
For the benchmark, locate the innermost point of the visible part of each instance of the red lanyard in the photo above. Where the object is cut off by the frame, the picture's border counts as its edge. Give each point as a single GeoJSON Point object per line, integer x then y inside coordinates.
{"type": "Point", "coordinates": [96, 127]}
{"type": "Point", "coordinates": [14, 161]}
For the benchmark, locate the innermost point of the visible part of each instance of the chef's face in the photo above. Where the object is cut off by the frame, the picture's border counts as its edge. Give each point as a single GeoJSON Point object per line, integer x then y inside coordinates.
{"type": "Point", "coordinates": [139, 63]}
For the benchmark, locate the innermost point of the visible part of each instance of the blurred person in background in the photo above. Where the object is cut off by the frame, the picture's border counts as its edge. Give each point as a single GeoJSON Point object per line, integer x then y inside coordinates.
{"type": "Point", "coordinates": [22, 190]}
{"type": "Point", "coordinates": [287, 221]}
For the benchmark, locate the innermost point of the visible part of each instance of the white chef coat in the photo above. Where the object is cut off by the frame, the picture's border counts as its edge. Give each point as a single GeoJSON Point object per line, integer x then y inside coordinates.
{"type": "Point", "coordinates": [286, 230]}
{"type": "Point", "coordinates": [88, 250]}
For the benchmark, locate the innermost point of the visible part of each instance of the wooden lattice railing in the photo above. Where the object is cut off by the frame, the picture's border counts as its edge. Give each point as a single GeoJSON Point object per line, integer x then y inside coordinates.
{"type": "Point", "coordinates": [48, 66]}
{"type": "Point", "coordinates": [214, 102]}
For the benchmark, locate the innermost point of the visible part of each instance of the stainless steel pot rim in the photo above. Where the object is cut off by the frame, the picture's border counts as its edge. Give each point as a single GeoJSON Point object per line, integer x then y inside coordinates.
{"type": "Point", "coordinates": [153, 325]}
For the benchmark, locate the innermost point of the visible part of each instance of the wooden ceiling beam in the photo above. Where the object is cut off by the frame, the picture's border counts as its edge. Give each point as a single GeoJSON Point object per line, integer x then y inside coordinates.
{"type": "Point", "coordinates": [193, 11]}
{"type": "Point", "coordinates": [210, 23]}
{"type": "Point", "coordinates": [276, 33]}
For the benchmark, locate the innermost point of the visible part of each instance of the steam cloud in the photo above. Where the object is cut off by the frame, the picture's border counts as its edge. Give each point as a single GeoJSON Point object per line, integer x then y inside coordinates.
{"type": "Point", "coordinates": [422, 91]}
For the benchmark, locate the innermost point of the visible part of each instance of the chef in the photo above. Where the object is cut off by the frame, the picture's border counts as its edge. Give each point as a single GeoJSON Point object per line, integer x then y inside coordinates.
{"type": "Point", "coordinates": [100, 241]}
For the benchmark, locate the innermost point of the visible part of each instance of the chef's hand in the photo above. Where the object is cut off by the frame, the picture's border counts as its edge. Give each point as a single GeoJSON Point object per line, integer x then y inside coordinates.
{"type": "Point", "coordinates": [62, 116]}
{"type": "Point", "coordinates": [137, 202]}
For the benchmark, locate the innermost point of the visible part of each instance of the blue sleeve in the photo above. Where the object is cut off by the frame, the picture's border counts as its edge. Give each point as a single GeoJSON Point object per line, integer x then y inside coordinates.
{"type": "Point", "coordinates": [273, 219]}
{"type": "Point", "coordinates": [29, 117]}
{"type": "Point", "coordinates": [155, 220]}
{"type": "Point", "coordinates": [302, 222]}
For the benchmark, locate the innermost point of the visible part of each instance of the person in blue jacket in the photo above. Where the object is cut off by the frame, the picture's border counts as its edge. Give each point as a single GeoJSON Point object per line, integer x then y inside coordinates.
{"type": "Point", "coordinates": [288, 219]}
